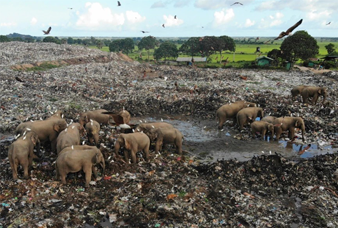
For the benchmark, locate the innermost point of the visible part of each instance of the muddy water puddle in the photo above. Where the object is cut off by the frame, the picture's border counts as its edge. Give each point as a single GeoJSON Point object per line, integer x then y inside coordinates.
{"type": "Point", "coordinates": [203, 140]}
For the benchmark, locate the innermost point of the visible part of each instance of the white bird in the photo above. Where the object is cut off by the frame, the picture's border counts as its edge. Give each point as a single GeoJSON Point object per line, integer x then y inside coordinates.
{"type": "Point", "coordinates": [72, 147]}
{"type": "Point", "coordinates": [161, 119]}
{"type": "Point", "coordinates": [83, 142]}
{"type": "Point", "coordinates": [140, 121]}
{"type": "Point", "coordinates": [73, 127]}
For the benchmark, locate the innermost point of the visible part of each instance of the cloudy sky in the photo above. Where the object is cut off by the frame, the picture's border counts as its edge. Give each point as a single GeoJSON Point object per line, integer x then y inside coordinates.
{"type": "Point", "coordinates": [256, 18]}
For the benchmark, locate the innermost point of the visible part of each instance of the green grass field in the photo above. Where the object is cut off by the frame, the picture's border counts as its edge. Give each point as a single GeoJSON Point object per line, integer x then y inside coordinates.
{"type": "Point", "coordinates": [244, 52]}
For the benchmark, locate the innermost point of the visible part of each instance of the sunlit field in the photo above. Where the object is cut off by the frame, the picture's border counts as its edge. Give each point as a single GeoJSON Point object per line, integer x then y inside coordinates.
{"type": "Point", "coordinates": [244, 52]}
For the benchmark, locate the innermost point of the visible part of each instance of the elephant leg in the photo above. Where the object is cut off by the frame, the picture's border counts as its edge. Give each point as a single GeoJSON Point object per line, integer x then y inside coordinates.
{"type": "Point", "coordinates": [146, 153]}
{"type": "Point", "coordinates": [133, 156]}
{"type": "Point", "coordinates": [263, 134]}
{"type": "Point", "coordinates": [220, 123]}
{"type": "Point", "coordinates": [278, 133]}
{"type": "Point", "coordinates": [15, 169]}
{"type": "Point", "coordinates": [291, 133]}
{"type": "Point", "coordinates": [63, 178]}
{"type": "Point", "coordinates": [53, 145]}
{"type": "Point", "coordinates": [179, 148]}
{"type": "Point", "coordinates": [94, 172]}
{"type": "Point", "coordinates": [157, 146]}
{"type": "Point", "coordinates": [126, 155]}
{"type": "Point", "coordinates": [88, 172]}
{"type": "Point", "coordinates": [96, 139]}
{"type": "Point", "coordinates": [253, 133]}
{"type": "Point", "coordinates": [234, 121]}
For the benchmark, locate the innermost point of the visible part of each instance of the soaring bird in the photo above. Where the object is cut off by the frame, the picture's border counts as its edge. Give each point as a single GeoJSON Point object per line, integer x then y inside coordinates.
{"type": "Point", "coordinates": [118, 3]}
{"type": "Point", "coordinates": [47, 32]}
{"type": "Point", "coordinates": [236, 3]}
{"type": "Point", "coordinates": [328, 23]}
{"type": "Point", "coordinates": [175, 17]}
{"type": "Point", "coordinates": [163, 26]}
{"type": "Point", "coordinates": [282, 34]}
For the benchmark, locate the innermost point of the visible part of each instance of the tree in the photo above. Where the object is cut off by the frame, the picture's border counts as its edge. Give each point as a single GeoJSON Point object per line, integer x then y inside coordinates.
{"type": "Point", "coordinates": [148, 42]}
{"type": "Point", "coordinates": [99, 44]}
{"type": "Point", "coordinates": [50, 39]}
{"type": "Point", "coordinates": [299, 46]}
{"type": "Point", "coordinates": [330, 48]}
{"type": "Point", "coordinates": [275, 54]}
{"type": "Point", "coordinates": [70, 40]}
{"type": "Point", "coordinates": [209, 45]}
{"type": "Point", "coordinates": [225, 43]}
{"type": "Point", "coordinates": [125, 45]}
{"type": "Point", "coordinates": [166, 49]}
{"type": "Point", "coordinates": [4, 39]}
{"type": "Point", "coordinates": [191, 46]}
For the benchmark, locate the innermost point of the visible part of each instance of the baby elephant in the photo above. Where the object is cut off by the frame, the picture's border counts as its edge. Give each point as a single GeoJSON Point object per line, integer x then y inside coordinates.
{"type": "Point", "coordinates": [21, 152]}
{"type": "Point", "coordinates": [262, 127]}
{"type": "Point", "coordinates": [93, 130]}
{"type": "Point", "coordinates": [133, 143]}
{"type": "Point", "coordinates": [76, 158]}
{"type": "Point", "coordinates": [164, 136]}
{"type": "Point", "coordinates": [248, 115]}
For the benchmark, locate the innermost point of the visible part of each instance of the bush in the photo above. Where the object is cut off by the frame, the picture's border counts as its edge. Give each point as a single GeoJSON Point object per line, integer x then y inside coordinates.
{"type": "Point", "coordinates": [329, 64]}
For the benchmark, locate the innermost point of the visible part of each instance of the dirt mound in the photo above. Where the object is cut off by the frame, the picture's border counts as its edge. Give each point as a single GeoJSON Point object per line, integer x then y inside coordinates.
{"type": "Point", "coordinates": [125, 57]}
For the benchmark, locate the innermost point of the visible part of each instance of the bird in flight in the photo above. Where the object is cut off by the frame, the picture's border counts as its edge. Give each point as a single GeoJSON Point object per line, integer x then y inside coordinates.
{"type": "Point", "coordinates": [118, 3]}
{"type": "Point", "coordinates": [47, 32]}
{"type": "Point", "coordinates": [236, 3]}
{"type": "Point", "coordinates": [328, 23]}
{"type": "Point", "coordinates": [175, 17]}
{"type": "Point", "coordinates": [163, 26]}
{"type": "Point", "coordinates": [282, 34]}
{"type": "Point", "coordinates": [144, 31]}
{"type": "Point", "coordinates": [70, 8]}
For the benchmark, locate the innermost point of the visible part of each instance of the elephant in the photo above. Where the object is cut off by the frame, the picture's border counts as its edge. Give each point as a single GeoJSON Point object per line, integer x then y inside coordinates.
{"type": "Point", "coordinates": [93, 130]}
{"type": "Point", "coordinates": [96, 115]}
{"type": "Point", "coordinates": [313, 92]}
{"type": "Point", "coordinates": [133, 143]}
{"type": "Point", "coordinates": [289, 123]}
{"type": "Point", "coordinates": [246, 115]}
{"type": "Point", "coordinates": [76, 158]}
{"type": "Point", "coordinates": [229, 111]}
{"type": "Point", "coordinates": [295, 91]}
{"type": "Point", "coordinates": [47, 130]}
{"type": "Point", "coordinates": [269, 119]}
{"type": "Point", "coordinates": [164, 136]}
{"type": "Point", "coordinates": [123, 117]}
{"type": "Point", "coordinates": [262, 127]}
{"type": "Point", "coordinates": [21, 152]}
{"type": "Point", "coordinates": [145, 127]}
{"type": "Point", "coordinates": [70, 136]}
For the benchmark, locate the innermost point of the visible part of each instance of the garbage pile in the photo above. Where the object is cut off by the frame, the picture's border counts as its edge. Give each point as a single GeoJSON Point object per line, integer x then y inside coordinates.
{"type": "Point", "coordinates": [170, 190]}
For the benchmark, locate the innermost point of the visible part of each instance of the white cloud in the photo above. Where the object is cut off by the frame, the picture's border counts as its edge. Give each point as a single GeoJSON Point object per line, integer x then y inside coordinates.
{"type": "Point", "coordinates": [98, 17]}
{"type": "Point", "coordinates": [249, 23]}
{"type": "Point", "coordinates": [181, 3]}
{"type": "Point", "coordinates": [158, 4]}
{"type": "Point", "coordinates": [8, 24]}
{"type": "Point", "coordinates": [315, 15]}
{"type": "Point", "coordinates": [171, 21]}
{"type": "Point", "coordinates": [271, 21]}
{"type": "Point", "coordinates": [34, 21]}
{"type": "Point", "coordinates": [134, 17]}
{"type": "Point", "coordinates": [218, 4]}
{"type": "Point", "coordinates": [224, 16]}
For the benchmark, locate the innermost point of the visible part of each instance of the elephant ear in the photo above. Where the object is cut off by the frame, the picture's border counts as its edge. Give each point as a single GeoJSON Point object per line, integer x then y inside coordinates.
{"type": "Point", "coordinates": [127, 143]}
{"type": "Point", "coordinates": [96, 158]}
{"type": "Point", "coordinates": [56, 127]}
{"type": "Point", "coordinates": [34, 139]}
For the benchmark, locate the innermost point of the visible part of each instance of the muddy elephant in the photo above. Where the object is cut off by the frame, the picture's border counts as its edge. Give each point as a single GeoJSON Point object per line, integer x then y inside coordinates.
{"type": "Point", "coordinates": [76, 158]}
{"type": "Point", "coordinates": [164, 136]}
{"type": "Point", "coordinates": [93, 131]}
{"type": "Point", "coordinates": [229, 111]}
{"type": "Point", "coordinates": [248, 115]}
{"type": "Point", "coordinates": [133, 143]}
{"type": "Point", "coordinates": [289, 124]}
{"type": "Point", "coordinates": [21, 152]}
{"type": "Point", "coordinates": [314, 93]}
{"type": "Point", "coordinates": [70, 136]}
{"type": "Point", "coordinates": [96, 115]}
{"type": "Point", "coordinates": [47, 130]}
{"type": "Point", "coordinates": [146, 127]}
{"type": "Point", "coordinates": [295, 91]}
{"type": "Point", "coordinates": [262, 127]}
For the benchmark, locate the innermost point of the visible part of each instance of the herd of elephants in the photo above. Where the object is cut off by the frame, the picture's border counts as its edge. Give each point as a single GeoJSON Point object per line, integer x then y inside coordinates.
{"type": "Point", "coordinates": [72, 156]}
